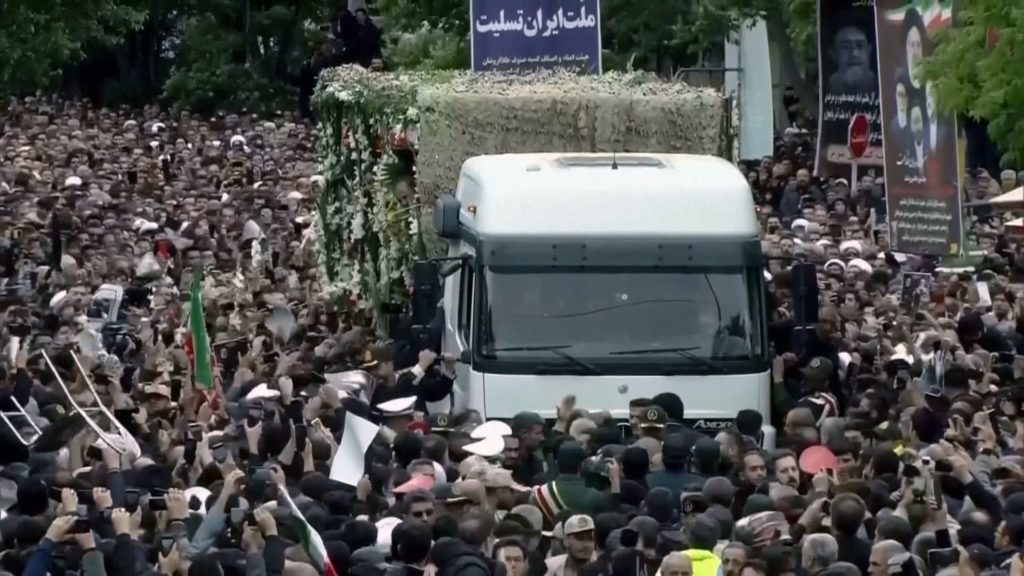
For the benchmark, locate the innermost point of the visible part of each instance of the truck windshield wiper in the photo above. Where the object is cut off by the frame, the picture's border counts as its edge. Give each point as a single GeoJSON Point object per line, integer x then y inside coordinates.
{"type": "Point", "coordinates": [557, 351]}
{"type": "Point", "coordinates": [685, 352]}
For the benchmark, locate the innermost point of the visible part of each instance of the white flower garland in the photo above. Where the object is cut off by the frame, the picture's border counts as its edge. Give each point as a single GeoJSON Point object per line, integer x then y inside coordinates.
{"type": "Point", "coordinates": [367, 240]}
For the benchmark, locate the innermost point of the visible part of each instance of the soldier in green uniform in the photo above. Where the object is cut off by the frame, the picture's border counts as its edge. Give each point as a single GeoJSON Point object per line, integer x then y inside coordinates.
{"type": "Point", "coordinates": [568, 491]}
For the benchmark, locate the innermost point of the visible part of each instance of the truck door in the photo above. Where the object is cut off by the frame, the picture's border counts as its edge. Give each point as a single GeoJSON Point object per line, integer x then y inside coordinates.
{"type": "Point", "coordinates": [459, 291]}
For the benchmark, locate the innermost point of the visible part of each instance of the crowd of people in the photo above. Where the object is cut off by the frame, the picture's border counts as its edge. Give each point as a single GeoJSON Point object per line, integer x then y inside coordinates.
{"type": "Point", "coordinates": [900, 444]}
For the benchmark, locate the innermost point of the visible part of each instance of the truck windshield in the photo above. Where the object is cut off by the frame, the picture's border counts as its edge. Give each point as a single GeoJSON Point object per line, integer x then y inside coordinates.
{"type": "Point", "coordinates": [698, 319]}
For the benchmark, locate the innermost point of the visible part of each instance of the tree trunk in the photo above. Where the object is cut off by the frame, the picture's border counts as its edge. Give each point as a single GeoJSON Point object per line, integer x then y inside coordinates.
{"type": "Point", "coordinates": [284, 50]}
{"type": "Point", "coordinates": [247, 16]}
{"type": "Point", "coordinates": [149, 47]}
{"type": "Point", "coordinates": [777, 36]}
{"type": "Point", "coordinates": [125, 74]}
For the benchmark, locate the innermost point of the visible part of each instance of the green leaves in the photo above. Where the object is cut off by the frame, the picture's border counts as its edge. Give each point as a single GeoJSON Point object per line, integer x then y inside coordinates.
{"type": "Point", "coordinates": [651, 35]}
{"type": "Point", "coordinates": [242, 55]}
{"type": "Point", "coordinates": [225, 53]}
{"type": "Point", "coordinates": [448, 15]}
{"type": "Point", "coordinates": [39, 37]}
{"type": "Point", "coordinates": [428, 48]}
{"type": "Point", "coordinates": [985, 81]}
{"type": "Point", "coordinates": [426, 34]}
{"type": "Point", "coordinates": [802, 25]}
{"type": "Point", "coordinates": [210, 71]}
{"type": "Point", "coordinates": [218, 54]}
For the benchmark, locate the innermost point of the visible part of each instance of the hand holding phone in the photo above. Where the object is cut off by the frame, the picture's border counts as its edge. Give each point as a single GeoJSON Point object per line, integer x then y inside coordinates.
{"type": "Point", "coordinates": [301, 435]}
{"type": "Point", "coordinates": [166, 545]}
{"type": "Point", "coordinates": [131, 500]}
{"type": "Point", "coordinates": [935, 493]}
{"type": "Point", "coordinates": [195, 431]}
{"type": "Point", "coordinates": [219, 451]}
{"type": "Point", "coordinates": [778, 369]}
{"type": "Point", "coordinates": [833, 475]}
{"type": "Point", "coordinates": [939, 558]}
{"type": "Point", "coordinates": [254, 415]}
{"type": "Point", "coordinates": [243, 516]}
{"type": "Point", "coordinates": [920, 488]}
{"type": "Point", "coordinates": [295, 410]}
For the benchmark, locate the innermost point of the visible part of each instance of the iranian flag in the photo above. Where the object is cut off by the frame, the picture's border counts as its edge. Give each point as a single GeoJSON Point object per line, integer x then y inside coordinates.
{"type": "Point", "coordinates": [308, 537]}
{"type": "Point", "coordinates": [937, 14]}
{"type": "Point", "coordinates": [198, 343]}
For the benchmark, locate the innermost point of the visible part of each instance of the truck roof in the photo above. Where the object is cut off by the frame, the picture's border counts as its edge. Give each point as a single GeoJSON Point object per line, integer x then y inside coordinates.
{"type": "Point", "coordinates": [575, 194]}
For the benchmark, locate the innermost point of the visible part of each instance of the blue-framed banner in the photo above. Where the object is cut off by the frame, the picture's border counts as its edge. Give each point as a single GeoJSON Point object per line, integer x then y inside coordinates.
{"type": "Point", "coordinates": [528, 35]}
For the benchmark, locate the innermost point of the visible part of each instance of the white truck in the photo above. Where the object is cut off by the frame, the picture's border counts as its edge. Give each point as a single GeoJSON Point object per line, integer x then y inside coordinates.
{"type": "Point", "coordinates": [610, 277]}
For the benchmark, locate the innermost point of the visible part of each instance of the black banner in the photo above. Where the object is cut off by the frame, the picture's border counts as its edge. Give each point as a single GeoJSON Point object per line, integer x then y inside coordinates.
{"type": "Point", "coordinates": [847, 71]}
{"type": "Point", "coordinates": [921, 151]}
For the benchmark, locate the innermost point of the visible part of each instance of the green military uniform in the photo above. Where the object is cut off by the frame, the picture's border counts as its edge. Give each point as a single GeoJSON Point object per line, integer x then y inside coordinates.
{"type": "Point", "coordinates": [568, 491]}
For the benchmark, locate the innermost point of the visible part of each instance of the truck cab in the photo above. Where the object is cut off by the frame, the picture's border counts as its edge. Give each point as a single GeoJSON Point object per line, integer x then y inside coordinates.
{"type": "Point", "coordinates": [610, 277]}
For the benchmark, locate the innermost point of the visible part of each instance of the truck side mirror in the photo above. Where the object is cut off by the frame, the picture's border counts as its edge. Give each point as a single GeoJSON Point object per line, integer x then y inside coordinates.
{"type": "Point", "coordinates": [466, 356]}
{"type": "Point", "coordinates": [446, 217]}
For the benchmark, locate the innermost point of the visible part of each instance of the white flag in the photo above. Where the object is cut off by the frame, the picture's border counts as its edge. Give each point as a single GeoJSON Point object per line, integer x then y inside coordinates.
{"type": "Point", "coordinates": [359, 433]}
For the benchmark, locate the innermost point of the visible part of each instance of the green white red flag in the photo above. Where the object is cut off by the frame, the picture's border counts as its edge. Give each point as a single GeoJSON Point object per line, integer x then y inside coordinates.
{"type": "Point", "coordinates": [937, 14]}
{"type": "Point", "coordinates": [198, 344]}
{"type": "Point", "coordinates": [309, 538]}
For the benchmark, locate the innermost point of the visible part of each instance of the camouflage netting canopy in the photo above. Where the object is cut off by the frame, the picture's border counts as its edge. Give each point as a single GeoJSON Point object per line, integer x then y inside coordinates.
{"type": "Point", "coordinates": [471, 114]}
{"type": "Point", "coordinates": [391, 143]}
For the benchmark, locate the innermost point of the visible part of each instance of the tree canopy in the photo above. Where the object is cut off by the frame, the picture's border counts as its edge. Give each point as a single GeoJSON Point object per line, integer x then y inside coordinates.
{"type": "Point", "coordinates": [201, 54]}
{"type": "Point", "coordinates": [243, 58]}
{"type": "Point", "coordinates": [38, 37]}
{"type": "Point", "coordinates": [247, 54]}
{"type": "Point", "coordinates": [640, 34]}
{"type": "Point", "coordinates": [975, 71]}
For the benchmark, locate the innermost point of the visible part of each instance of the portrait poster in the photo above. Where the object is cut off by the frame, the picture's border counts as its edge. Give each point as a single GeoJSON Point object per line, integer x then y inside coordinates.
{"type": "Point", "coordinates": [528, 35]}
{"type": "Point", "coordinates": [847, 66]}
{"type": "Point", "coordinates": [921, 150]}
{"type": "Point", "coordinates": [915, 290]}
